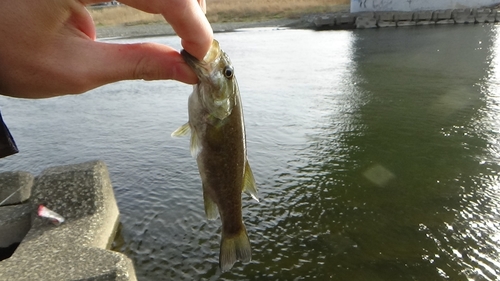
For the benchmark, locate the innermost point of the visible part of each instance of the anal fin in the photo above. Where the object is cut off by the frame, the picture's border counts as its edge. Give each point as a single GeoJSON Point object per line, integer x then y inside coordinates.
{"type": "Point", "coordinates": [211, 210]}
{"type": "Point", "coordinates": [249, 182]}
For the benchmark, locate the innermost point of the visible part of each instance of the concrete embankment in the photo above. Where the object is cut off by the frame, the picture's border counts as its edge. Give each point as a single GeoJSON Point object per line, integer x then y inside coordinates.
{"type": "Point", "coordinates": [393, 19]}
{"type": "Point", "coordinates": [74, 250]}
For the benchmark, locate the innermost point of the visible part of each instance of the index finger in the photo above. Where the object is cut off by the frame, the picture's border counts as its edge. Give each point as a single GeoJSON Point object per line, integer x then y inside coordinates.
{"type": "Point", "coordinates": [187, 19]}
{"type": "Point", "coordinates": [203, 5]}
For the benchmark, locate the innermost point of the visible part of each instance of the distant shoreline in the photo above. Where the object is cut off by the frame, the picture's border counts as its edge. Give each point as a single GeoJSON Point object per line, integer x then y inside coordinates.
{"type": "Point", "coordinates": [159, 29]}
{"type": "Point", "coordinates": [225, 16]}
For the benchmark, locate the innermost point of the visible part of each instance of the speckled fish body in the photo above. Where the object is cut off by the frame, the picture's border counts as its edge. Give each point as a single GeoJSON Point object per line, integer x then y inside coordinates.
{"type": "Point", "coordinates": [218, 143]}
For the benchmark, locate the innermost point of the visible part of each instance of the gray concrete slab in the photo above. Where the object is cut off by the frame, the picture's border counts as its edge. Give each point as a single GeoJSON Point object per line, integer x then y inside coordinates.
{"type": "Point", "coordinates": [386, 24]}
{"type": "Point", "coordinates": [404, 19]}
{"type": "Point", "coordinates": [422, 16]}
{"type": "Point", "coordinates": [345, 19]}
{"type": "Point", "coordinates": [441, 15]}
{"type": "Point", "coordinates": [324, 21]}
{"type": "Point", "coordinates": [385, 16]}
{"type": "Point", "coordinates": [403, 16]}
{"type": "Point", "coordinates": [483, 15]}
{"type": "Point", "coordinates": [82, 194]}
{"type": "Point", "coordinates": [426, 22]}
{"type": "Point", "coordinates": [405, 23]}
{"type": "Point", "coordinates": [385, 19]}
{"type": "Point", "coordinates": [464, 16]}
{"type": "Point", "coordinates": [366, 21]}
{"type": "Point", "coordinates": [17, 185]}
{"type": "Point", "coordinates": [76, 249]}
{"type": "Point", "coordinates": [496, 14]}
{"type": "Point", "coordinates": [445, 22]}
{"type": "Point", "coordinates": [73, 262]}
{"type": "Point", "coordinates": [491, 18]}
{"type": "Point", "coordinates": [464, 19]}
{"type": "Point", "coordinates": [15, 222]}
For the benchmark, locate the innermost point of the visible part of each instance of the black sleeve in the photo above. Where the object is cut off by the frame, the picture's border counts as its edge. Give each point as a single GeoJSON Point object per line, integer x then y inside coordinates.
{"type": "Point", "coordinates": [7, 144]}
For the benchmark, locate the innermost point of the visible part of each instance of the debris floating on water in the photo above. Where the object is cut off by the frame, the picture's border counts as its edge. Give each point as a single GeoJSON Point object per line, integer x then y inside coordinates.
{"type": "Point", "coordinates": [47, 213]}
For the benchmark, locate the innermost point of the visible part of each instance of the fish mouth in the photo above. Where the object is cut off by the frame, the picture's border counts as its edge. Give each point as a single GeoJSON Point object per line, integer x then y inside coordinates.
{"type": "Point", "coordinates": [199, 67]}
{"type": "Point", "coordinates": [202, 67]}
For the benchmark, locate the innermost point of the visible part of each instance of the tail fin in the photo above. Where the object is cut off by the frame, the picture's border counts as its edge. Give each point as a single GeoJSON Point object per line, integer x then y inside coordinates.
{"type": "Point", "coordinates": [234, 249]}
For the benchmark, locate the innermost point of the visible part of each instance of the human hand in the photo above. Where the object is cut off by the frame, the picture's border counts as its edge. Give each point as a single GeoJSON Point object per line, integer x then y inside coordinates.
{"type": "Point", "coordinates": [48, 47]}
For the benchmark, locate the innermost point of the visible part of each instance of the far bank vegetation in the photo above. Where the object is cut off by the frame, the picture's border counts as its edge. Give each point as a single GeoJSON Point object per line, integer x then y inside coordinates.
{"type": "Point", "coordinates": [224, 11]}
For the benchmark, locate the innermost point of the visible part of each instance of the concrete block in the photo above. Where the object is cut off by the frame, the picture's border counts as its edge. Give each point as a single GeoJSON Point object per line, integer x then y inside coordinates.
{"type": "Point", "coordinates": [464, 19]}
{"type": "Point", "coordinates": [422, 16]}
{"type": "Point", "coordinates": [491, 18]}
{"type": "Point", "coordinates": [483, 15]}
{"type": "Point", "coordinates": [404, 19]}
{"type": "Point", "coordinates": [494, 12]}
{"type": "Point", "coordinates": [385, 16]}
{"type": "Point", "coordinates": [441, 15]}
{"type": "Point", "coordinates": [481, 10]}
{"type": "Point", "coordinates": [71, 263]}
{"type": "Point", "coordinates": [324, 21]}
{"type": "Point", "coordinates": [385, 19]}
{"type": "Point", "coordinates": [345, 19]}
{"type": "Point", "coordinates": [463, 16]}
{"type": "Point", "coordinates": [426, 22]}
{"type": "Point", "coordinates": [15, 222]}
{"type": "Point", "coordinates": [445, 22]}
{"type": "Point", "coordinates": [386, 24]}
{"type": "Point", "coordinates": [366, 21]}
{"type": "Point", "coordinates": [10, 182]}
{"type": "Point", "coordinates": [406, 23]}
{"type": "Point", "coordinates": [76, 249]}
{"type": "Point", "coordinates": [83, 195]}
{"type": "Point", "coordinates": [403, 16]}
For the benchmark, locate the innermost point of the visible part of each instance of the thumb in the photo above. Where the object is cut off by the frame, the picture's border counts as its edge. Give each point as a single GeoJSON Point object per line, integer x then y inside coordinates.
{"type": "Point", "coordinates": [104, 63]}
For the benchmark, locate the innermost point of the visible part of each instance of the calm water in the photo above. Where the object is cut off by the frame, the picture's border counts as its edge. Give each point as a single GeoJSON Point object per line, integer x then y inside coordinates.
{"type": "Point", "coordinates": [376, 154]}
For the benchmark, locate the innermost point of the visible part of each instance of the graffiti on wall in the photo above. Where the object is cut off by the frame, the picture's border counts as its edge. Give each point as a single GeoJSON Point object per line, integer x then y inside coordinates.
{"type": "Point", "coordinates": [381, 4]}
{"type": "Point", "coordinates": [414, 5]}
{"type": "Point", "coordinates": [377, 5]}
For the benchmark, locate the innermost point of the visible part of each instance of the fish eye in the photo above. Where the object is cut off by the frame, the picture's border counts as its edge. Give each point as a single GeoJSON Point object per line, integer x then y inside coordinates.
{"type": "Point", "coordinates": [228, 72]}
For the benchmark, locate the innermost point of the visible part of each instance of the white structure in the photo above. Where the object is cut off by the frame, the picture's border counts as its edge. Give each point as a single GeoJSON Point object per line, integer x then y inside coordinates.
{"type": "Point", "coordinates": [417, 5]}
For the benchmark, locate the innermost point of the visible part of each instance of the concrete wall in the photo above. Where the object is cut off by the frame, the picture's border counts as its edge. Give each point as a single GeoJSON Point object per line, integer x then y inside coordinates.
{"type": "Point", "coordinates": [78, 248]}
{"type": "Point", "coordinates": [417, 5]}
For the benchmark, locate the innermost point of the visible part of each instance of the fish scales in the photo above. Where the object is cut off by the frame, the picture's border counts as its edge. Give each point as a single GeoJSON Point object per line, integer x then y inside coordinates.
{"type": "Point", "coordinates": [222, 164]}
{"type": "Point", "coordinates": [219, 145]}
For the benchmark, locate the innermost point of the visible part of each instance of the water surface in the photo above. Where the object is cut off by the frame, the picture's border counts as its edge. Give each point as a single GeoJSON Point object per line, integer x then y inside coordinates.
{"type": "Point", "coordinates": [376, 155]}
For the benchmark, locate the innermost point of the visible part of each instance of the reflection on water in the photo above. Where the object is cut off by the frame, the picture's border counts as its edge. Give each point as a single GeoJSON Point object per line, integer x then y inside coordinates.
{"type": "Point", "coordinates": [444, 180]}
{"type": "Point", "coordinates": [376, 154]}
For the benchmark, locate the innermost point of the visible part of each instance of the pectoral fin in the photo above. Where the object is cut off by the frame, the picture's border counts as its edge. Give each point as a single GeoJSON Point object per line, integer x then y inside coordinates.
{"type": "Point", "coordinates": [182, 131]}
{"type": "Point", "coordinates": [249, 182]}
{"type": "Point", "coordinates": [195, 147]}
{"type": "Point", "coordinates": [185, 129]}
{"type": "Point", "coordinates": [210, 207]}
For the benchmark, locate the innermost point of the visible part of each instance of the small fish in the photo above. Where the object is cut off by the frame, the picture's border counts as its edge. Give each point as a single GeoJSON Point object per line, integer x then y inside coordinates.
{"type": "Point", "coordinates": [218, 143]}
{"type": "Point", "coordinates": [47, 213]}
